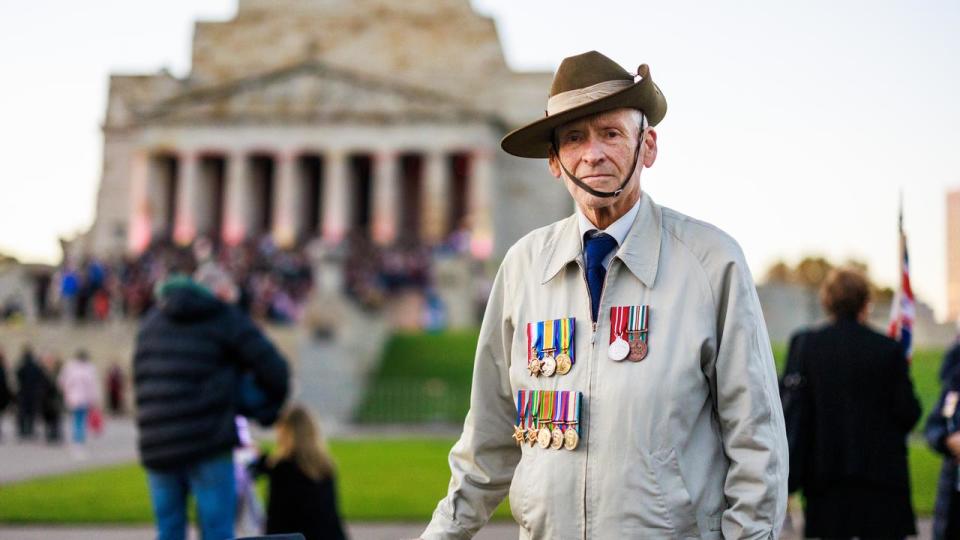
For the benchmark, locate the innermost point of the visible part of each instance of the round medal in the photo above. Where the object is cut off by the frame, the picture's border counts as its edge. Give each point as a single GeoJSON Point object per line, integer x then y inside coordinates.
{"type": "Point", "coordinates": [544, 438]}
{"type": "Point", "coordinates": [570, 439]}
{"type": "Point", "coordinates": [549, 366]}
{"type": "Point", "coordinates": [556, 438]}
{"type": "Point", "coordinates": [619, 349]}
{"type": "Point", "coordinates": [563, 364]}
{"type": "Point", "coordinates": [638, 350]}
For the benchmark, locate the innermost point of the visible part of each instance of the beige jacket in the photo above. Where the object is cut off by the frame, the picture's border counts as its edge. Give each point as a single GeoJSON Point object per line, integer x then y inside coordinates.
{"type": "Point", "coordinates": [688, 443]}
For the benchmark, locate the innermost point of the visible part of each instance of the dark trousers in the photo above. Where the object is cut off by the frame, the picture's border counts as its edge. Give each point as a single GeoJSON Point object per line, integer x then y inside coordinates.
{"type": "Point", "coordinates": [26, 415]}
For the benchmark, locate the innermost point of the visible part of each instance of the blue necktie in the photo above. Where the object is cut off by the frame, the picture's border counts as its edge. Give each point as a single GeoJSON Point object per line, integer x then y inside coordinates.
{"type": "Point", "coordinates": [597, 247]}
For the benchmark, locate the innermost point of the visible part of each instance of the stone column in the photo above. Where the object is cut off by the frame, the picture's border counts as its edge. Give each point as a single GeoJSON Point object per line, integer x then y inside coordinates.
{"type": "Point", "coordinates": [286, 201]}
{"type": "Point", "coordinates": [236, 215]}
{"type": "Point", "coordinates": [435, 197]}
{"type": "Point", "coordinates": [385, 197]}
{"type": "Point", "coordinates": [185, 221]}
{"type": "Point", "coordinates": [479, 201]}
{"type": "Point", "coordinates": [336, 200]}
{"type": "Point", "coordinates": [139, 231]}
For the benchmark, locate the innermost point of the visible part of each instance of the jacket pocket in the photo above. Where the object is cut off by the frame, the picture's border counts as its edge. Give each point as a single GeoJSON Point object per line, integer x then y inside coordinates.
{"type": "Point", "coordinates": [519, 486]}
{"type": "Point", "coordinates": [674, 493]}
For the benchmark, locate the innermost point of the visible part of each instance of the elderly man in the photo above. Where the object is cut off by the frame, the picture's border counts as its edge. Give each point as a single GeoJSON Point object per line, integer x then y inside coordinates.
{"type": "Point", "coordinates": [624, 385]}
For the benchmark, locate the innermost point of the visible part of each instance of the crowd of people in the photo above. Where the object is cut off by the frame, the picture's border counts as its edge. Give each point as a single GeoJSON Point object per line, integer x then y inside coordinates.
{"type": "Point", "coordinates": [43, 389]}
{"type": "Point", "coordinates": [274, 283]}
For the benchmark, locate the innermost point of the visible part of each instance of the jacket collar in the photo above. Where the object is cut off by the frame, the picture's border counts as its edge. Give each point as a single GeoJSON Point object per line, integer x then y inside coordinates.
{"type": "Point", "coordinates": [640, 251]}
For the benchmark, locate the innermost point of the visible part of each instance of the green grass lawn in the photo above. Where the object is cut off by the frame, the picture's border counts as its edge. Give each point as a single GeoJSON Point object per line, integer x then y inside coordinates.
{"type": "Point", "coordinates": [378, 480]}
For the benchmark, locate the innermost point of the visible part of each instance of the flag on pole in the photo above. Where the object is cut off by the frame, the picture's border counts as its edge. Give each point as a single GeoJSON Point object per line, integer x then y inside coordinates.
{"type": "Point", "coordinates": [903, 310]}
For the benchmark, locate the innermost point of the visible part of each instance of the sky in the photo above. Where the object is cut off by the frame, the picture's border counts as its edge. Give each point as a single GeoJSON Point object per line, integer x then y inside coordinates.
{"type": "Point", "coordinates": [795, 128]}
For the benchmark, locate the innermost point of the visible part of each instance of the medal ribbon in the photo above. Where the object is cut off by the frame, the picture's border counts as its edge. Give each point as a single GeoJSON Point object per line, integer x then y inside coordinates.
{"type": "Point", "coordinates": [565, 413]}
{"type": "Point", "coordinates": [535, 416]}
{"type": "Point", "coordinates": [557, 336]}
{"type": "Point", "coordinates": [577, 410]}
{"type": "Point", "coordinates": [540, 341]}
{"type": "Point", "coordinates": [548, 338]}
{"type": "Point", "coordinates": [618, 322]}
{"type": "Point", "coordinates": [644, 319]}
{"type": "Point", "coordinates": [557, 419]}
{"type": "Point", "coordinates": [547, 407]}
{"type": "Point", "coordinates": [529, 343]}
{"type": "Point", "coordinates": [571, 343]}
{"type": "Point", "coordinates": [520, 406]}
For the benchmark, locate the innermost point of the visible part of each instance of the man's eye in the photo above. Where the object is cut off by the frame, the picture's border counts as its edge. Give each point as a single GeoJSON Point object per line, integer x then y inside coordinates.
{"type": "Point", "coordinates": [613, 134]}
{"type": "Point", "coordinates": [573, 137]}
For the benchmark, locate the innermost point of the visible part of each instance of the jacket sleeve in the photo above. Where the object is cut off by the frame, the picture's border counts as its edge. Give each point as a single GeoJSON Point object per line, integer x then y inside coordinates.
{"type": "Point", "coordinates": [748, 407]}
{"type": "Point", "coordinates": [935, 430]}
{"type": "Point", "coordinates": [905, 406]}
{"type": "Point", "coordinates": [482, 462]}
{"type": "Point", "coordinates": [257, 354]}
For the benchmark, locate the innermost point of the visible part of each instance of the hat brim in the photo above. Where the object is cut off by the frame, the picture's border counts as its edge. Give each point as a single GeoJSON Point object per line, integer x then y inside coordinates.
{"type": "Point", "coordinates": [534, 140]}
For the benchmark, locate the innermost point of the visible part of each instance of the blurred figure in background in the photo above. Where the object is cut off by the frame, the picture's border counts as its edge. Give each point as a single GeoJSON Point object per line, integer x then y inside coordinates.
{"type": "Point", "coordinates": [115, 384]}
{"type": "Point", "coordinates": [943, 435]}
{"type": "Point", "coordinates": [81, 391]}
{"type": "Point", "coordinates": [29, 392]}
{"type": "Point", "coordinates": [6, 395]}
{"type": "Point", "coordinates": [302, 496]}
{"type": "Point", "coordinates": [190, 355]}
{"type": "Point", "coordinates": [51, 401]}
{"type": "Point", "coordinates": [858, 406]}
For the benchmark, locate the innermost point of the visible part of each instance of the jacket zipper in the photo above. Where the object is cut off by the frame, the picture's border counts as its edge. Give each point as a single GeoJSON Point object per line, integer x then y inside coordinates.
{"type": "Point", "coordinates": [593, 341]}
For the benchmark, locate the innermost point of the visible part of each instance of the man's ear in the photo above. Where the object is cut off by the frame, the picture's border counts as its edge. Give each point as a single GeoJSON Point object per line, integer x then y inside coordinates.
{"type": "Point", "coordinates": [553, 164]}
{"type": "Point", "coordinates": [650, 147]}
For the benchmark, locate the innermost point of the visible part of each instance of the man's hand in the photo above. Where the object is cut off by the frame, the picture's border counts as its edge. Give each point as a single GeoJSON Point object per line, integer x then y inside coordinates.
{"type": "Point", "coordinates": [953, 444]}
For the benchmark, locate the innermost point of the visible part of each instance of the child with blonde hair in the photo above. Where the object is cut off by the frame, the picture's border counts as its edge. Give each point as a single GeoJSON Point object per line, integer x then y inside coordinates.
{"type": "Point", "coordinates": [302, 494]}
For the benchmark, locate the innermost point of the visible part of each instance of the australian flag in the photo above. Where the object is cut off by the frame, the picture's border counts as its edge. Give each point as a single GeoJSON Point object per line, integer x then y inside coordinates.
{"type": "Point", "coordinates": [903, 309]}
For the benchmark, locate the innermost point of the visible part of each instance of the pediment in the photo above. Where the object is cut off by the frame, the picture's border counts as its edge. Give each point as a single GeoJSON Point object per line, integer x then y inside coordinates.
{"type": "Point", "coordinates": [313, 92]}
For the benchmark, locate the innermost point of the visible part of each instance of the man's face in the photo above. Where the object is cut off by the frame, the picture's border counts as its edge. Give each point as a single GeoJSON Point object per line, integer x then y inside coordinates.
{"type": "Point", "coordinates": [599, 150]}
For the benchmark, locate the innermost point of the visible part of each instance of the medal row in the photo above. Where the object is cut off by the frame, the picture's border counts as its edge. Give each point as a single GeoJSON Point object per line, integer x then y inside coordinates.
{"type": "Point", "coordinates": [551, 347]}
{"type": "Point", "coordinates": [548, 418]}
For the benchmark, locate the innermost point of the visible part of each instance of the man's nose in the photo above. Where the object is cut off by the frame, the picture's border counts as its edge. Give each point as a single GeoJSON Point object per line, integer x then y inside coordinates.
{"type": "Point", "coordinates": [593, 152]}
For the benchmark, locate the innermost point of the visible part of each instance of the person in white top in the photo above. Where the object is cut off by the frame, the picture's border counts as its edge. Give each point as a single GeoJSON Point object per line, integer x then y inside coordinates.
{"type": "Point", "coordinates": [81, 391]}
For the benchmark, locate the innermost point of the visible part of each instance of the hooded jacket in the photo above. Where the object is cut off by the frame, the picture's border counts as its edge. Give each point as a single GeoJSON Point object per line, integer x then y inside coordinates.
{"type": "Point", "coordinates": [191, 351]}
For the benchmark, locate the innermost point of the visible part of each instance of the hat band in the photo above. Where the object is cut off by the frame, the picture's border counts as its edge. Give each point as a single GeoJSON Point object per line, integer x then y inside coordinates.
{"type": "Point", "coordinates": [574, 98]}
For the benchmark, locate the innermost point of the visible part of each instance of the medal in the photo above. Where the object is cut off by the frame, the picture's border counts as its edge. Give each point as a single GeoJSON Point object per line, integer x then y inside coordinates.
{"type": "Point", "coordinates": [519, 432]}
{"type": "Point", "coordinates": [565, 358]}
{"type": "Point", "coordinates": [534, 367]}
{"type": "Point", "coordinates": [556, 436]}
{"type": "Point", "coordinates": [638, 332]}
{"type": "Point", "coordinates": [571, 437]}
{"type": "Point", "coordinates": [619, 348]}
{"type": "Point", "coordinates": [545, 436]}
{"type": "Point", "coordinates": [549, 366]}
{"type": "Point", "coordinates": [563, 364]}
{"type": "Point", "coordinates": [532, 429]}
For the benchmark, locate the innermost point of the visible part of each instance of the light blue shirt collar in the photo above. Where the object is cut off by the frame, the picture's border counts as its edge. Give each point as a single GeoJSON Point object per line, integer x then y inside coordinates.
{"type": "Point", "coordinates": [618, 229]}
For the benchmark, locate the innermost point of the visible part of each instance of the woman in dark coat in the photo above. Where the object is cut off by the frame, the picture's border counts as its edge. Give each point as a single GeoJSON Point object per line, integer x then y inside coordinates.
{"type": "Point", "coordinates": [858, 408]}
{"type": "Point", "coordinates": [943, 434]}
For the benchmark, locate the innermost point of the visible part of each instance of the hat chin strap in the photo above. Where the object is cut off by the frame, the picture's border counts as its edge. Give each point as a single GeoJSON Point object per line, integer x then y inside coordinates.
{"type": "Point", "coordinates": [605, 194]}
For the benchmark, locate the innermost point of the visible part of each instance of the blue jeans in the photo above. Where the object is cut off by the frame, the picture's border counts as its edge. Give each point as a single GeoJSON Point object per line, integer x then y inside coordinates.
{"type": "Point", "coordinates": [80, 425]}
{"type": "Point", "coordinates": [213, 486]}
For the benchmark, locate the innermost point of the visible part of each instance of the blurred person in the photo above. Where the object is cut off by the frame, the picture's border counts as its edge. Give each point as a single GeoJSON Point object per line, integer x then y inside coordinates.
{"type": "Point", "coordinates": [191, 353]}
{"type": "Point", "coordinates": [302, 496]}
{"type": "Point", "coordinates": [942, 432]}
{"type": "Point", "coordinates": [115, 387]}
{"type": "Point", "coordinates": [856, 409]}
{"type": "Point", "coordinates": [81, 390]}
{"type": "Point", "coordinates": [51, 402]}
{"type": "Point", "coordinates": [6, 395]}
{"type": "Point", "coordinates": [681, 433]}
{"type": "Point", "coordinates": [29, 393]}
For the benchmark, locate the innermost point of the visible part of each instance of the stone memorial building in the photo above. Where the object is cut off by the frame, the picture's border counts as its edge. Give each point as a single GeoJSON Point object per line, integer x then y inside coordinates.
{"type": "Point", "coordinates": [325, 118]}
